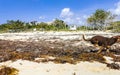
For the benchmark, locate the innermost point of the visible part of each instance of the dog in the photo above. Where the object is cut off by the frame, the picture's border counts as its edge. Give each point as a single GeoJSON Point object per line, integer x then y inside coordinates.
{"type": "Point", "coordinates": [102, 42]}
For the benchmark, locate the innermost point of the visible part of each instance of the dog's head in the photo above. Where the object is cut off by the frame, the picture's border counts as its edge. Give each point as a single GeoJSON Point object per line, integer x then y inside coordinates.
{"type": "Point", "coordinates": [117, 37]}
{"type": "Point", "coordinates": [95, 43]}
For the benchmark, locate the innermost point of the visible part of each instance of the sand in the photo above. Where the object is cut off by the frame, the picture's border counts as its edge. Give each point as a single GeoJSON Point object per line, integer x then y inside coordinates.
{"type": "Point", "coordinates": [82, 68]}
{"type": "Point", "coordinates": [32, 68]}
{"type": "Point", "coordinates": [51, 35]}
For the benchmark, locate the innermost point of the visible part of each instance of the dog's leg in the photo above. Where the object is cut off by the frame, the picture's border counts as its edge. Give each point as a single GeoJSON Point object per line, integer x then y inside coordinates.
{"type": "Point", "coordinates": [108, 51]}
{"type": "Point", "coordinates": [108, 47]}
{"type": "Point", "coordinates": [100, 49]}
{"type": "Point", "coordinates": [96, 45]}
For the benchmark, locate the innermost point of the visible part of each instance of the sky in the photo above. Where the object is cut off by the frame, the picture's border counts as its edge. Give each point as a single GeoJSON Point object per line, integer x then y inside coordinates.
{"type": "Point", "coordinates": [70, 11]}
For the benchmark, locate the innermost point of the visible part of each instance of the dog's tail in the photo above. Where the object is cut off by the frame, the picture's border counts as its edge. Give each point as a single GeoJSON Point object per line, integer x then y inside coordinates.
{"type": "Point", "coordinates": [83, 37]}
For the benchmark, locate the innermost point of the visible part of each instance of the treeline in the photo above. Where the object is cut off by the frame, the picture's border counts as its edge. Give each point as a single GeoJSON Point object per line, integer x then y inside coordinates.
{"type": "Point", "coordinates": [100, 20]}
{"type": "Point", "coordinates": [114, 26]}
{"type": "Point", "coordinates": [19, 26]}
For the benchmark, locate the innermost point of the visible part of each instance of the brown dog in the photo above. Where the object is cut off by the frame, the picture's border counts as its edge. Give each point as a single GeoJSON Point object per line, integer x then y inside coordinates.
{"type": "Point", "coordinates": [101, 41]}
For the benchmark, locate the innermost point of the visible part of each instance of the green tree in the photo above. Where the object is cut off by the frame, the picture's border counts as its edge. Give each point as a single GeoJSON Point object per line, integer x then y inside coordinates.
{"type": "Point", "coordinates": [99, 19]}
{"type": "Point", "coordinates": [42, 25]}
{"type": "Point", "coordinates": [114, 26]}
{"type": "Point", "coordinates": [4, 27]}
{"type": "Point", "coordinates": [59, 24]}
{"type": "Point", "coordinates": [15, 25]}
{"type": "Point", "coordinates": [81, 28]}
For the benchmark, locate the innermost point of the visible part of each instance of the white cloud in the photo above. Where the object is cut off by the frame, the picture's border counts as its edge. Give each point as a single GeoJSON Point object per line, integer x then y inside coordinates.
{"type": "Point", "coordinates": [116, 10]}
{"type": "Point", "coordinates": [69, 20]}
{"type": "Point", "coordinates": [78, 18]}
{"type": "Point", "coordinates": [41, 17]}
{"type": "Point", "coordinates": [72, 18]}
{"type": "Point", "coordinates": [86, 16]}
{"type": "Point", "coordinates": [66, 12]}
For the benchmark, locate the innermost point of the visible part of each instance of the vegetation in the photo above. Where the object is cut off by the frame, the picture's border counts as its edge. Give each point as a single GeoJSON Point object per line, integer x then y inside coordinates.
{"type": "Point", "coordinates": [99, 20]}
{"type": "Point", "coordinates": [114, 26]}
{"type": "Point", "coordinates": [18, 26]}
{"type": "Point", "coordinates": [82, 28]}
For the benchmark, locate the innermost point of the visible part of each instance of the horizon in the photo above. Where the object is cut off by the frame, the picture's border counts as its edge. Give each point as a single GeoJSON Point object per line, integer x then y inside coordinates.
{"type": "Point", "coordinates": [70, 11]}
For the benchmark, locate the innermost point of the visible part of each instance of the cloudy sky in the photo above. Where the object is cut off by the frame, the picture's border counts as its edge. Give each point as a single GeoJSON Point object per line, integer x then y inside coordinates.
{"type": "Point", "coordinates": [71, 11]}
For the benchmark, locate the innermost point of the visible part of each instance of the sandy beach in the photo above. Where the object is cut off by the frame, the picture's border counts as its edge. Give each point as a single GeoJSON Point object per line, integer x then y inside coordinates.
{"type": "Point", "coordinates": [50, 68]}
{"type": "Point", "coordinates": [27, 67]}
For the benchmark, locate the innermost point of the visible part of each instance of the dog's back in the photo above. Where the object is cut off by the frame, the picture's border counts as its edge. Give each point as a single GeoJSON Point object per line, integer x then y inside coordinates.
{"type": "Point", "coordinates": [102, 41]}
{"type": "Point", "coordinates": [99, 40]}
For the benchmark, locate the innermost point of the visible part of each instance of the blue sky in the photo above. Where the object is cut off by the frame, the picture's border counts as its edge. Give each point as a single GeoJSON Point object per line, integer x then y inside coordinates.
{"type": "Point", "coordinates": [71, 11]}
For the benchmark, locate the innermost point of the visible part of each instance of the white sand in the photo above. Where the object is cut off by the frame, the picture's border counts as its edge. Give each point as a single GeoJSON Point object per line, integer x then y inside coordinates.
{"type": "Point", "coordinates": [51, 35]}
{"type": "Point", "coordinates": [50, 68]}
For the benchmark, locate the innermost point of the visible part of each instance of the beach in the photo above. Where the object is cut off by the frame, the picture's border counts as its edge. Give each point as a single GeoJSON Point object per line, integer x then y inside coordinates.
{"type": "Point", "coordinates": [69, 40]}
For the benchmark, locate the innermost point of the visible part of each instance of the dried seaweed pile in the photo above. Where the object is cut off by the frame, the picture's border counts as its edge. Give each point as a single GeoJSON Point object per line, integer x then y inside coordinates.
{"type": "Point", "coordinates": [62, 51]}
{"type": "Point", "coordinates": [4, 70]}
